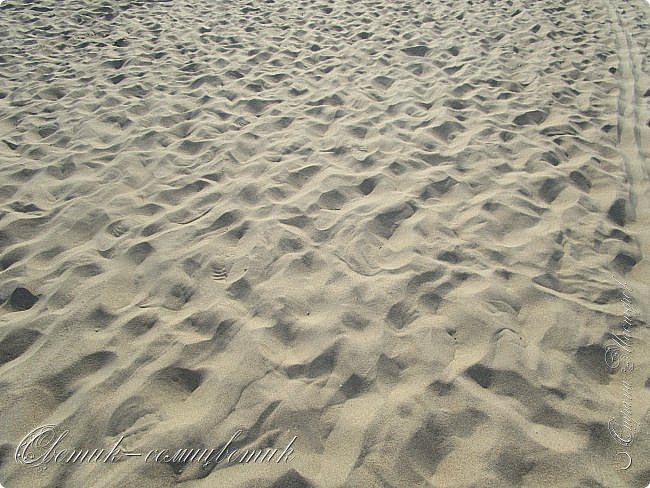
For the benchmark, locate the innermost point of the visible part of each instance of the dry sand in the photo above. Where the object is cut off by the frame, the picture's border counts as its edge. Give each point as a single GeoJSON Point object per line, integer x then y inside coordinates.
{"type": "Point", "coordinates": [392, 230]}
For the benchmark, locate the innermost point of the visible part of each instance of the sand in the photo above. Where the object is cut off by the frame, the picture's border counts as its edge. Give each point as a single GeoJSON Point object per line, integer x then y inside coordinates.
{"type": "Point", "coordinates": [402, 234]}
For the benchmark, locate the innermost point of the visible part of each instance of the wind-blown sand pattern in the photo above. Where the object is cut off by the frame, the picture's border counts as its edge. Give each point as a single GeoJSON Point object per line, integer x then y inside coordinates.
{"type": "Point", "coordinates": [390, 229]}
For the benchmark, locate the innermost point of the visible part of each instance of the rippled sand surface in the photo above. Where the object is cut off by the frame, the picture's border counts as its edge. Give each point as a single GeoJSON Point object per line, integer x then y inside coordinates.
{"type": "Point", "coordinates": [404, 233]}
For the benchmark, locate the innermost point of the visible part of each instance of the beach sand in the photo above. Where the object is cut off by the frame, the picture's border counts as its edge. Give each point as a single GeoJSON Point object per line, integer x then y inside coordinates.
{"type": "Point", "coordinates": [395, 240]}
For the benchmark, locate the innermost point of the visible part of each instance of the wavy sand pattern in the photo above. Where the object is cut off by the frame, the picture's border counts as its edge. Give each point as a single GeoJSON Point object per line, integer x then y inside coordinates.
{"type": "Point", "coordinates": [386, 228]}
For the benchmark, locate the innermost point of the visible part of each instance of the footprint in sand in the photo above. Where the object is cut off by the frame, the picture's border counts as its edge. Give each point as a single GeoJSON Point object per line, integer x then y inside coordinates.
{"type": "Point", "coordinates": [218, 272]}
{"type": "Point", "coordinates": [362, 254]}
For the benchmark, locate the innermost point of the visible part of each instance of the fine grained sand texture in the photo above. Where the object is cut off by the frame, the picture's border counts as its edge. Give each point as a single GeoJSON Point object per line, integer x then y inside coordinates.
{"type": "Point", "coordinates": [393, 230]}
